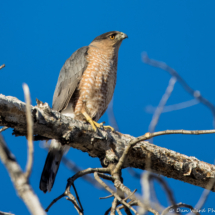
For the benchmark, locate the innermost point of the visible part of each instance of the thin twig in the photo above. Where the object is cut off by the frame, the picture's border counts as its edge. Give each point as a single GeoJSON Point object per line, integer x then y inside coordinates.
{"type": "Point", "coordinates": [114, 193]}
{"type": "Point", "coordinates": [145, 183]}
{"type": "Point", "coordinates": [145, 188]}
{"type": "Point", "coordinates": [167, 132]}
{"type": "Point", "coordinates": [129, 196]}
{"type": "Point", "coordinates": [107, 211]}
{"type": "Point", "coordinates": [154, 200]}
{"type": "Point", "coordinates": [165, 187]}
{"type": "Point", "coordinates": [179, 205]}
{"type": "Point", "coordinates": [106, 177]}
{"type": "Point", "coordinates": [114, 205]}
{"type": "Point", "coordinates": [127, 211]}
{"type": "Point", "coordinates": [153, 211]}
{"type": "Point", "coordinates": [118, 209]}
{"type": "Point", "coordinates": [5, 213]}
{"type": "Point", "coordinates": [3, 129]}
{"type": "Point", "coordinates": [161, 105]}
{"type": "Point", "coordinates": [70, 182]}
{"type": "Point", "coordinates": [76, 193]}
{"type": "Point", "coordinates": [2, 66]}
{"type": "Point", "coordinates": [111, 116]}
{"type": "Point", "coordinates": [132, 203]}
{"type": "Point", "coordinates": [106, 197]}
{"type": "Point", "coordinates": [70, 198]}
{"type": "Point", "coordinates": [196, 94]}
{"type": "Point", "coordinates": [74, 168]}
{"type": "Point", "coordinates": [73, 200]}
{"type": "Point", "coordinates": [30, 131]}
{"type": "Point", "coordinates": [204, 195]}
{"type": "Point", "coordinates": [86, 171]}
{"type": "Point", "coordinates": [119, 185]}
{"type": "Point", "coordinates": [54, 201]}
{"type": "Point", "coordinates": [174, 107]}
{"type": "Point", "coordinates": [75, 205]}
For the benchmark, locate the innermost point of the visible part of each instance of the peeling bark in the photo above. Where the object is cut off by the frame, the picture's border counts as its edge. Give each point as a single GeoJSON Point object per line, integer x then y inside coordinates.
{"type": "Point", "coordinates": [108, 146]}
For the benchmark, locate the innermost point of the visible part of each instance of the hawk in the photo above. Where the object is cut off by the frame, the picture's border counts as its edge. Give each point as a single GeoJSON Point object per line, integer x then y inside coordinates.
{"type": "Point", "coordinates": [84, 89]}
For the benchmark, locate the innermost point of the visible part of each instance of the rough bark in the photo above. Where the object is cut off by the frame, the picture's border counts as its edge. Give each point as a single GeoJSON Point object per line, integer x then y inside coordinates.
{"type": "Point", "coordinates": [108, 146]}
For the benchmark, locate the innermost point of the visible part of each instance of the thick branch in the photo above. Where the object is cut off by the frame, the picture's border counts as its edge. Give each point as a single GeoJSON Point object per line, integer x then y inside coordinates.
{"type": "Point", "coordinates": [20, 182]}
{"type": "Point", "coordinates": [107, 146]}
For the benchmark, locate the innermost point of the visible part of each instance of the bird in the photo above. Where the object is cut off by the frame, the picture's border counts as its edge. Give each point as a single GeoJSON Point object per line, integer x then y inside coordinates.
{"type": "Point", "coordinates": [84, 89]}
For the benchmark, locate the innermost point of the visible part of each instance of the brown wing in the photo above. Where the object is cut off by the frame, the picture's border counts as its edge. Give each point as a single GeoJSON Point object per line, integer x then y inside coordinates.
{"type": "Point", "coordinates": [69, 78]}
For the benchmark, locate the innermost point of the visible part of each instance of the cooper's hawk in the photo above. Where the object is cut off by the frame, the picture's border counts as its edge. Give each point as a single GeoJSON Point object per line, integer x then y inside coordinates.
{"type": "Point", "coordinates": [84, 89]}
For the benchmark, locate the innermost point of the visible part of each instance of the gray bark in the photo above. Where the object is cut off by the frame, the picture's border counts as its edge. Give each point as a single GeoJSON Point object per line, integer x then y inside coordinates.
{"type": "Point", "coordinates": [108, 146]}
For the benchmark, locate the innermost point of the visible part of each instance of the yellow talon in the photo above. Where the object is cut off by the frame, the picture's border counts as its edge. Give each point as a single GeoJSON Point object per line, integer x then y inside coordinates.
{"type": "Point", "coordinates": [108, 127]}
{"type": "Point", "coordinates": [94, 124]}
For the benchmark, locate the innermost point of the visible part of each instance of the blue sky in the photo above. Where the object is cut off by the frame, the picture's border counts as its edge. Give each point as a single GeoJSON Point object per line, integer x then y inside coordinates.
{"type": "Point", "coordinates": [38, 36]}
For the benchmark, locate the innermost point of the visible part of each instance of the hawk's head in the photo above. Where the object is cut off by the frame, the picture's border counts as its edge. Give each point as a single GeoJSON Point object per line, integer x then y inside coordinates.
{"type": "Point", "coordinates": [110, 39]}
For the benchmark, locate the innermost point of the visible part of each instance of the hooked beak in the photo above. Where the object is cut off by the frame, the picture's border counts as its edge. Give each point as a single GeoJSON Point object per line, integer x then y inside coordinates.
{"type": "Point", "coordinates": [123, 36]}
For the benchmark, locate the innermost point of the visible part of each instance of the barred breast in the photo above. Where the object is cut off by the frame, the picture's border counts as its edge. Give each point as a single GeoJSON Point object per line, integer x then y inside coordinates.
{"type": "Point", "coordinates": [97, 85]}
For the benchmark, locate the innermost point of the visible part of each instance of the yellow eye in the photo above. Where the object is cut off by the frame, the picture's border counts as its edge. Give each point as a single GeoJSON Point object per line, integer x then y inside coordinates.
{"type": "Point", "coordinates": [112, 37]}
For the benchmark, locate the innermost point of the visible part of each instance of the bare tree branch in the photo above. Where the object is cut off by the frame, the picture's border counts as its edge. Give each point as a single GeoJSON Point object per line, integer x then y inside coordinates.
{"type": "Point", "coordinates": [73, 167]}
{"type": "Point", "coordinates": [70, 182]}
{"type": "Point", "coordinates": [161, 105]}
{"type": "Point", "coordinates": [72, 199]}
{"type": "Point", "coordinates": [204, 195]}
{"type": "Point", "coordinates": [108, 146]}
{"type": "Point", "coordinates": [29, 130]}
{"type": "Point", "coordinates": [2, 66]}
{"type": "Point", "coordinates": [5, 213]}
{"type": "Point", "coordinates": [111, 116]}
{"type": "Point", "coordinates": [165, 187]}
{"type": "Point", "coordinates": [3, 129]}
{"type": "Point", "coordinates": [54, 201]}
{"type": "Point", "coordinates": [76, 193]}
{"type": "Point", "coordinates": [19, 180]}
{"type": "Point", "coordinates": [114, 193]}
{"type": "Point", "coordinates": [196, 94]}
{"type": "Point", "coordinates": [155, 134]}
{"type": "Point", "coordinates": [106, 197]}
{"type": "Point", "coordinates": [122, 206]}
{"type": "Point", "coordinates": [179, 205]}
{"type": "Point", "coordinates": [174, 107]}
{"type": "Point", "coordinates": [134, 198]}
{"type": "Point", "coordinates": [113, 207]}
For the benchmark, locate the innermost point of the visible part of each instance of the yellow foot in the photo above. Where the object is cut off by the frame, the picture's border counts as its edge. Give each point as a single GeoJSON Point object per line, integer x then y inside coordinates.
{"type": "Point", "coordinates": [108, 127]}
{"type": "Point", "coordinates": [94, 124]}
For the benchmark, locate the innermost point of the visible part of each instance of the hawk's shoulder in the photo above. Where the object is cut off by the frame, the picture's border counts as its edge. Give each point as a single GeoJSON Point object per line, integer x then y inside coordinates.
{"type": "Point", "coordinates": [69, 77]}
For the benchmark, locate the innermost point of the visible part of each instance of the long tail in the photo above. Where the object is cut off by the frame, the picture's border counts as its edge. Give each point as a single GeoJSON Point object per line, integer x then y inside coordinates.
{"type": "Point", "coordinates": [51, 166]}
